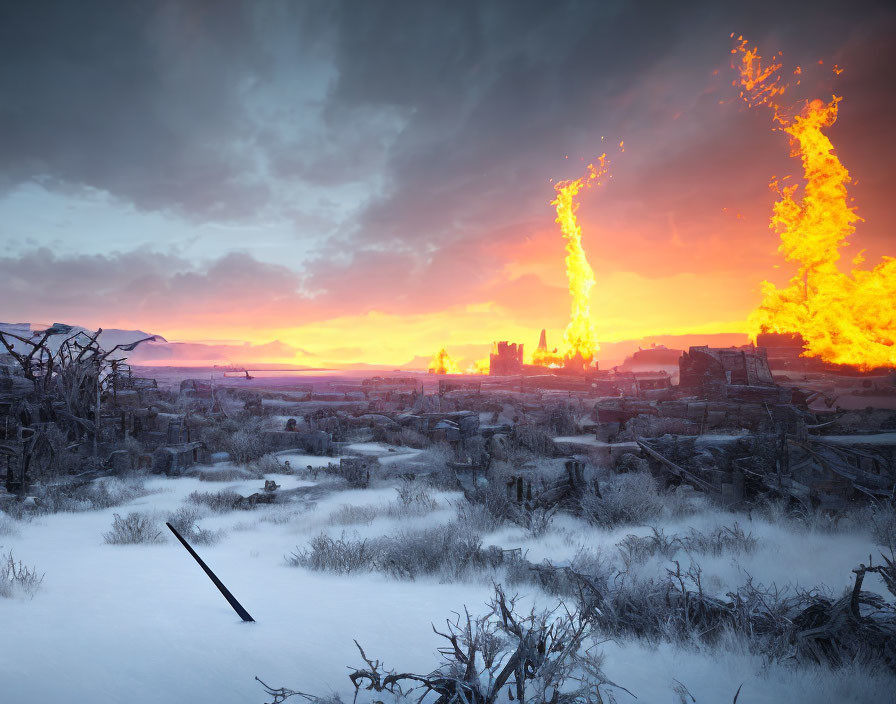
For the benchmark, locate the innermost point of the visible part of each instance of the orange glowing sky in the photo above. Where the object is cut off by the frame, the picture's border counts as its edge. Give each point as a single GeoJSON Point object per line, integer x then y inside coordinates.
{"type": "Point", "coordinates": [308, 189]}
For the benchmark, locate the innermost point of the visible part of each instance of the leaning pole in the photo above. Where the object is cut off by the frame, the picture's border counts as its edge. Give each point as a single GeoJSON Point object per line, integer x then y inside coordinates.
{"type": "Point", "coordinates": [231, 599]}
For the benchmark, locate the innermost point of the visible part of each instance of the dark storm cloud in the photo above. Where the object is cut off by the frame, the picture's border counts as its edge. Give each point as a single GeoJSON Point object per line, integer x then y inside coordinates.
{"type": "Point", "coordinates": [499, 91]}
{"type": "Point", "coordinates": [140, 99]}
{"type": "Point", "coordinates": [454, 114]}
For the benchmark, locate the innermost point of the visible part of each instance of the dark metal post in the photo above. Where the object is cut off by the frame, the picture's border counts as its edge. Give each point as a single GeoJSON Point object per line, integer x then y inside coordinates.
{"type": "Point", "coordinates": [231, 599]}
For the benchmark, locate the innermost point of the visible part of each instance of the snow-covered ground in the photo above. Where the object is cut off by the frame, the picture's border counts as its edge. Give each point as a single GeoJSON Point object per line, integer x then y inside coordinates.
{"type": "Point", "coordinates": [143, 624]}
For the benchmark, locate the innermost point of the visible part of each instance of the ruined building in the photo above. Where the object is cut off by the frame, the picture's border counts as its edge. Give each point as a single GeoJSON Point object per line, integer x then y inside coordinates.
{"type": "Point", "coordinates": [727, 372]}
{"type": "Point", "coordinates": [506, 359]}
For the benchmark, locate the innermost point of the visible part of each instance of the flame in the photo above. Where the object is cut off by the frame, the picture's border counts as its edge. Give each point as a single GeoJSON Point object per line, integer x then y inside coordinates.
{"type": "Point", "coordinates": [547, 358]}
{"type": "Point", "coordinates": [579, 338]}
{"type": "Point", "coordinates": [843, 318]}
{"type": "Point", "coordinates": [480, 366]}
{"type": "Point", "coordinates": [443, 364]}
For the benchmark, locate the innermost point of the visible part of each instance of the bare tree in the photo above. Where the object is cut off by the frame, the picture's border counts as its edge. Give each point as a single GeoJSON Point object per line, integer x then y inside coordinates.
{"type": "Point", "coordinates": [69, 378]}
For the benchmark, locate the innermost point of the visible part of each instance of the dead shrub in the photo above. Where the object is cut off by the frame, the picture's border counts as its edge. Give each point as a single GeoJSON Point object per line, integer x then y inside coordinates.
{"type": "Point", "coordinates": [723, 539]}
{"type": "Point", "coordinates": [16, 578]}
{"type": "Point", "coordinates": [133, 529]}
{"type": "Point", "coordinates": [492, 500]}
{"type": "Point", "coordinates": [629, 462]}
{"type": "Point", "coordinates": [218, 501]}
{"type": "Point", "coordinates": [185, 521]}
{"type": "Point", "coordinates": [477, 516]}
{"type": "Point", "coordinates": [625, 499]}
{"type": "Point", "coordinates": [634, 549]}
{"type": "Point", "coordinates": [245, 445]}
{"type": "Point", "coordinates": [269, 464]}
{"type": "Point", "coordinates": [451, 551]}
{"type": "Point", "coordinates": [414, 499]}
{"type": "Point", "coordinates": [338, 555]}
{"type": "Point", "coordinates": [538, 520]}
{"type": "Point", "coordinates": [103, 493]}
{"type": "Point", "coordinates": [348, 515]}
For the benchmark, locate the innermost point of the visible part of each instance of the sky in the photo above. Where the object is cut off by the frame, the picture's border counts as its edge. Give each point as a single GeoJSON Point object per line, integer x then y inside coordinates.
{"type": "Point", "coordinates": [336, 182]}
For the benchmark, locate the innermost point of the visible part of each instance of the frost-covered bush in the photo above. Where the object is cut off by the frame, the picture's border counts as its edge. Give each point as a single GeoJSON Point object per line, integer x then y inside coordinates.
{"type": "Point", "coordinates": [721, 540]}
{"type": "Point", "coordinates": [450, 550]}
{"type": "Point", "coordinates": [878, 518]}
{"type": "Point", "coordinates": [268, 464]}
{"type": "Point", "coordinates": [340, 555]}
{"type": "Point", "coordinates": [16, 578]}
{"type": "Point", "coordinates": [134, 529]}
{"type": "Point", "coordinates": [414, 499]}
{"type": "Point", "coordinates": [505, 655]}
{"type": "Point", "coordinates": [565, 581]}
{"type": "Point", "coordinates": [349, 514]}
{"type": "Point", "coordinates": [218, 501]}
{"type": "Point", "coordinates": [634, 549]}
{"type": "Point", "coordinates": [109, 492]}
{"type": "Point", "coordinates": [493, 506]}
{"type": "Point", "coordinates": [626, 499]}
{"type": "Point", "coordinates": [240, 437]}
{"type": "Point", "coordinates": [106, 492]}
{"type": "Point", "coordinates": [629, 462]}
{"type": "Point", "coordinates": [534, 439]}
{"type": "Point", "coordinates": [491, 499]}
{"type": "Point", "coordinates": [538, 519]}
{"type": "Point", "coordinates": [185, 521]}
{"type": "Point", "coordinates": [478, 516]}
{"type": "Point", "coordinates": [245, 445]}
